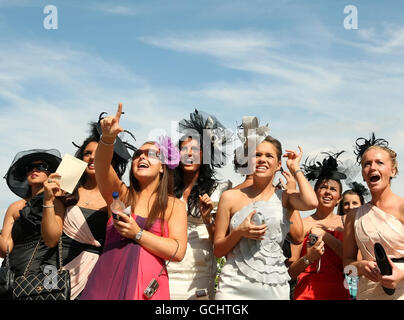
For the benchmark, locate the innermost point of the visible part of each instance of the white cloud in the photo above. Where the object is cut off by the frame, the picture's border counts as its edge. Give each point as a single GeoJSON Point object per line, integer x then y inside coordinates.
{"type": "Point", "coordinates": [116, 9]}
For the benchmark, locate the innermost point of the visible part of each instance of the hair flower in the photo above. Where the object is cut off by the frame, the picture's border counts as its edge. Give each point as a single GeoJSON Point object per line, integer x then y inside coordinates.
{"type": "Point", "coordinates": [170, 153]}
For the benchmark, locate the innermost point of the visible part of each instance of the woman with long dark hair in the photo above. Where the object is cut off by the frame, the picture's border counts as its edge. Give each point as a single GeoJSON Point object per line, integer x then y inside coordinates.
{"type": "Point", "coordinates": [201, 143]}
{"type": "Point", "coordinates": [83, 225]}
{"type": "Point", "coordinates": [317, 262]}
{"type": "Point", "coordinates": [152, 228]}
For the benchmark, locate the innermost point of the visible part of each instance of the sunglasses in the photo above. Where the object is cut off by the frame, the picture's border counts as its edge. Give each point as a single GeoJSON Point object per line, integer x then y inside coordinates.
{"type": "Point", "coordinates": [150, 153]}
{"type": "Point", "coordinates": [42, 166]}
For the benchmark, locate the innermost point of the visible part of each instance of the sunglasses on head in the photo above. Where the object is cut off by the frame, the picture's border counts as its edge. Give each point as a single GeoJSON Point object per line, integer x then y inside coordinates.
{"type": "Point", "coordinates": [150, 153]}
{"type": "Point", "coordinates": [42, 166]}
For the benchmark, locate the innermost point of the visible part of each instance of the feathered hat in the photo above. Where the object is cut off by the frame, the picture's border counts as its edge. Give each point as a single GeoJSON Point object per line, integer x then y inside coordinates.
{"type": "Point", "coordinates": [362, 144]}
{"type": "Point", "coordinates": [328, 169]}
{"type": "Point", "coordinates": [211, 134]}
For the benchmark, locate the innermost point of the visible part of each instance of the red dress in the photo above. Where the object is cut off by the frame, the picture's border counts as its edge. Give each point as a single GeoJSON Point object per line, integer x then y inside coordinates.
{"type": "Point", "coordinates": [328, 282]}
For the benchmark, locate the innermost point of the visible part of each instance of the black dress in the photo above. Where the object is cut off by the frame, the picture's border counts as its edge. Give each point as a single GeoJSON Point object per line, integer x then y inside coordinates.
{"type": "Point", "coordinates": [25, 233]}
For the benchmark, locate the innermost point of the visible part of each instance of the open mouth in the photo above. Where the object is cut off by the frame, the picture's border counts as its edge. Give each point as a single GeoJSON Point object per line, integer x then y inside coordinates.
{"type": "Point", "coordinates": [261, 168]}
{"type": "Point", "coordinates": [374, 178]}
{"type": "Point", "coordinates": [188, 161]}
{"type": "Point", "coordinates": [142, 166]}
{"type": "Point", "coordinates": [91, 166]}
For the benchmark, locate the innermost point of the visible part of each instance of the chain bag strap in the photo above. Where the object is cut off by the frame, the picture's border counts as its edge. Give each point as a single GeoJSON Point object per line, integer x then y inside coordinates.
{"type": "Point", "coordinates": [49, 284]}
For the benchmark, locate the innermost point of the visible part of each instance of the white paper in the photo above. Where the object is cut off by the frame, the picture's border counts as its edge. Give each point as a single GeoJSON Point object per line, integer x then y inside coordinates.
{"type": "Point", "coordinates": [70, 169]}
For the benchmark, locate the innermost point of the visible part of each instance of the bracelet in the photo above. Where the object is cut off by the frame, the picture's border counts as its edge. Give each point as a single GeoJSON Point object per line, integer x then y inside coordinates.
{"type": "Point", "coordinates": [211, 223]}
{"type": "Point", "coordinates": [47, 206]}
{"type": "Point", "coordinates": [297, 171]}
{"type": "Point", "coordinates": [107, 144]}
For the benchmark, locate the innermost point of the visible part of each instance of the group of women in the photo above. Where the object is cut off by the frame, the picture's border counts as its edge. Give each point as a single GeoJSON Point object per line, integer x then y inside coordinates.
{"type": "Point", "coordinates": [179, 218]}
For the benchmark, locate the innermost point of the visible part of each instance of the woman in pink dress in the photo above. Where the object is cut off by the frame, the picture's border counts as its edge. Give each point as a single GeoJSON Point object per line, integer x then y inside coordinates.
{"type": "Point", "coordinates": [138, 244]}
{"type": "Point", "coordinates": [379, 221]}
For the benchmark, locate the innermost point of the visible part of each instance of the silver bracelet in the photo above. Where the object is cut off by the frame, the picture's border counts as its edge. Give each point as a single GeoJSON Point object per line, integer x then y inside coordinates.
{"type": "Point", "coordinates": [47, 206]}
{"type": "Point", "coordinates": [294, 173]}
{"type": "Point", "coordinates": [107, 144]}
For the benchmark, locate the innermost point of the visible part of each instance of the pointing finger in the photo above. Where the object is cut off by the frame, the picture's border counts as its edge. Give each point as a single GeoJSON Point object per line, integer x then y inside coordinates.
{"type": "Point", "coordinates": [119, 112]}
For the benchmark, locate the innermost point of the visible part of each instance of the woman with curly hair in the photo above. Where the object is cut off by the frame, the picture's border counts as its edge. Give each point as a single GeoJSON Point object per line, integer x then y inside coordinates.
{"type": "Point", "coordinates": [82, 226]}
{"type": "Point", "coordinates": [201, 143]}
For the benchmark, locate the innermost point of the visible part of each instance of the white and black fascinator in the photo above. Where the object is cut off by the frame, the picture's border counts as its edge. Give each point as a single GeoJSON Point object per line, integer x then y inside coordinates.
{"type": "Point", "coordinates": [250, 134]}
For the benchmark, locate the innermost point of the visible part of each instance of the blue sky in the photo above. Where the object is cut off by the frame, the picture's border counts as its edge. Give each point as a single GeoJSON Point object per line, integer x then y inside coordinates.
{"type": "Point", "coordinates": [290, 63]}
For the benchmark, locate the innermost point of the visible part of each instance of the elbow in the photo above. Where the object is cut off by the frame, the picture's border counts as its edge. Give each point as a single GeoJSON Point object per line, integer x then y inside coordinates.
{"type": "Point", "coordinates": [313, 203]}
{"type": "Point", "coordinates": [179, 257]}
{"type": "Point", "coordinates": [217, 252]}
{"type": "Point", "coordinates": [51, 243]}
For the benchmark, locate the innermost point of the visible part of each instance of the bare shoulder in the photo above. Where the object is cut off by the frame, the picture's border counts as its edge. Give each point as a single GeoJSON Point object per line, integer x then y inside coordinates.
{"type": "Point", "coordinates": [175, 206]}
{"type": "Point", "coordinates": [230, 195]}
{"type": "Point", "coordinates": [16, 206]}
{"type": "Point", "coordinates": [308, 222]}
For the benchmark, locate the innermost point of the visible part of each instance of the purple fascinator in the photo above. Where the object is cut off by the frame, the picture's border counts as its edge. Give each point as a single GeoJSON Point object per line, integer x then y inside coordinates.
{"type": "Point", "coordinates": [168, 150]}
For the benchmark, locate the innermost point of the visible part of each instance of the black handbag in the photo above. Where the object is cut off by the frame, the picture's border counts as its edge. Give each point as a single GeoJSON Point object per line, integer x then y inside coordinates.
{"type": "Point", "coordinates": [6, 278]}
{"type": "Point", "coordinates": [383, 264]}
{"type": "Point", "coordinates": [51, 284]}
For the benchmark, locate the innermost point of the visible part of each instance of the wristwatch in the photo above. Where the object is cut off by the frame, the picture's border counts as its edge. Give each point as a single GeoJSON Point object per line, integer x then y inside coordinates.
{"type": "Point", "coordinates": [306, 260]}
{"type": "Point", "coordinates": [139, 235]}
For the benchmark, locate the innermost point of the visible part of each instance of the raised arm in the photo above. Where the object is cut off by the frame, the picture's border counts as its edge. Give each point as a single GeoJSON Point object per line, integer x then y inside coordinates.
{"type": "Point", "coordinates": [107, 179]}
{"type": "Point", "coordinates": [53, 212]}
{"type": "Point", "coordinates": [305, 198]}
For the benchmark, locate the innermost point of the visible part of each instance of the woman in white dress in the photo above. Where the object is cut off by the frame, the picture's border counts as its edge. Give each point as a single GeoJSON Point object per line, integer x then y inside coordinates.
{"type": "Point", "coordinates": [195, 183]}
{"type": "Point", "coordinates": [251, 226]}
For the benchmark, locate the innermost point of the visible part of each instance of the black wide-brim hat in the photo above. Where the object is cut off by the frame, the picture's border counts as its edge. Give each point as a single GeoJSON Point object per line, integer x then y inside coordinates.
{"type": "Point", "coordinates": [16, 175]}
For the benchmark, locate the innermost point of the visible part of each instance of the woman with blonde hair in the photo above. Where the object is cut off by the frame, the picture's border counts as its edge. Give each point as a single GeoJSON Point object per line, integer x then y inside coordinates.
{"type": "Point", "coordinates": [379, 221]}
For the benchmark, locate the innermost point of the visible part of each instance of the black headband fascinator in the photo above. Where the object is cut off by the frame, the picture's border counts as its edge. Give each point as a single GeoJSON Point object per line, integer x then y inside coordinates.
{"type": "Point", "coordinates": [328, 169]}
{"type": "Point", "coordinates": [121, 154]}
{"type": "Point", "coordinates": [120, 147]}
{"type": "Point", "coordinates": [210, 133]}
{"type": "Point", "coordinates": [358, 188]}
{"type": "Point", "coordinates": [362, 144]}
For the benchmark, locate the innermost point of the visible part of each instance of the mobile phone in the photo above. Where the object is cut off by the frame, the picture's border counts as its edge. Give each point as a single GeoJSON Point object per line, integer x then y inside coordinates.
{"type": "Point", "coordinates": [312, 239]}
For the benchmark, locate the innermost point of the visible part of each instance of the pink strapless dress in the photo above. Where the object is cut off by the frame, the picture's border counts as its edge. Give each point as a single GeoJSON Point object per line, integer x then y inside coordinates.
{"type": "Point", "coordinates": [125, 268]}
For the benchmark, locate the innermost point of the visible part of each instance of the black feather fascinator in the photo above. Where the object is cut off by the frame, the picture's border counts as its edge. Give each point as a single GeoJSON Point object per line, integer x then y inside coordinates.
{"type": "Point", "coordinates": [121, 154]}
{"type": "Point", "coordinates": [212, 135]}
{"type": "Point", "coordinates": [358, 188]}
{"type": "Point", "coordinates": [362, 144]}
{"type": "Point", "coordinates": [327, 169]}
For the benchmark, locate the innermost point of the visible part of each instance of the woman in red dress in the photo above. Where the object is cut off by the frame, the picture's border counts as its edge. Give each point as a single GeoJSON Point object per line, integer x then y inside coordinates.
{"type": "Point", "coordinates": [317, 264]}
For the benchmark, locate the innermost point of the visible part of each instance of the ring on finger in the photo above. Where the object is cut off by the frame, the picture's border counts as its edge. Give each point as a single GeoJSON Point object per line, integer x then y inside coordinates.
{"type": "Point", "coordinates": [50, 180]}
